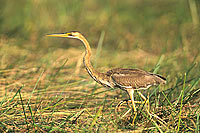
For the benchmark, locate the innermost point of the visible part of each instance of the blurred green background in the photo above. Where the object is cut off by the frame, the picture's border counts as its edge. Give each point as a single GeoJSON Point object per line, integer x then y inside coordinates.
{"type": "Point", "coordinates": [155, 26]}
{"type": "Point", "coordinates": [169, 28]}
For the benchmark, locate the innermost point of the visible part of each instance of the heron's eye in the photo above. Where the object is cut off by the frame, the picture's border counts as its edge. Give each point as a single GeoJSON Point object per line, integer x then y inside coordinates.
{"type": "Point", "coordinates": [69, 34]}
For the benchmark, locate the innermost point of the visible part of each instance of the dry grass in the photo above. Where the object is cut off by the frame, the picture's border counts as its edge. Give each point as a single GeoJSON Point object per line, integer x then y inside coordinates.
{"type": "Point", "coordinates": [43, 94]}
{"type": "Point", "coordinates": [45, 88]}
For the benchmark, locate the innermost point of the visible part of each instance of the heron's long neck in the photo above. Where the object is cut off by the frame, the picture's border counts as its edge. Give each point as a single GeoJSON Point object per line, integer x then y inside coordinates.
{"type": "Point", "coordinates": [86, 60]}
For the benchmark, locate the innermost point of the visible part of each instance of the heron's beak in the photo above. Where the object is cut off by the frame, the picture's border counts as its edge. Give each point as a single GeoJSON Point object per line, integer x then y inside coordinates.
{"type": "Point", "coordinates": [60, 35]}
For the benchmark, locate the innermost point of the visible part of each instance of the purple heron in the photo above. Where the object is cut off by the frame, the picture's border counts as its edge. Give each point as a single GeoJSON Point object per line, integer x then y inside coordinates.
{"type": "Point", "coordinates": [129, 80]}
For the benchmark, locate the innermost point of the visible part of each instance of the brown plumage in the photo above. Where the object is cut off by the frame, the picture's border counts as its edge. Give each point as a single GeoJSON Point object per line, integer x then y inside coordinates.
{"type": "Point", "coordinates": [126, 79]}
{"type": "Point", "coordinates": [134, 78]}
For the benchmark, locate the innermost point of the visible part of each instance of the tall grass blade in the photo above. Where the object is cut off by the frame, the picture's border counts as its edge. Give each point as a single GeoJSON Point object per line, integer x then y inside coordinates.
{"type": "Point", "coordinates": [182, 95]}
{"type": "Point", "coordinates": [152, 121]}
{"type": "Point", "coordinates": [26, 120]}
{"type": "Point", "coordinates": [99, 47]}
{"type": "Point", "coordinates": [194, 12]}
{"type": "Point", "coordinates": [197, 124]}
{"type": "Point", "coordinates": [34, 88]}
{"type": "Point", "coordinates": [33, 119]}
{"type": "Point", "coordinates": [53, 77]}
{"type": "Point", "coordinates": [96, 118]}
{"type": "Point", "coordinates": [12, 100]}
{"type": "Point", "coordinates": [192, 91]}
{"type": "Point", "coordinates": [158, 64]}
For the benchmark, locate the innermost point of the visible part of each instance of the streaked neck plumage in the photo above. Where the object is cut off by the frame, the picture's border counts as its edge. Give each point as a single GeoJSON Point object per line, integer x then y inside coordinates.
{"type": "Point", "coordinates": [86, 59]}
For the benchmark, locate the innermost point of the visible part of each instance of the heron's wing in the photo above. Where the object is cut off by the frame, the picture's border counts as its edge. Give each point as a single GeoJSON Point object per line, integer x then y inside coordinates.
{"type": "Point", "coordinates": [134, 78]}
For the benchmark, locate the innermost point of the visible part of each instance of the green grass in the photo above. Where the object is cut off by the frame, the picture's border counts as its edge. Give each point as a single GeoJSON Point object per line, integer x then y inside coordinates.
{"type": "Point", "coordinates": [45, 88]}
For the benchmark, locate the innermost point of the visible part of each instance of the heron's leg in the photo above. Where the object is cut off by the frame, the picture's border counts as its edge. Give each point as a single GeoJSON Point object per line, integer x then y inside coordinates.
{"type": "Point", "coordinates": [162, 122]}
{"type": "Point", "coordinates": [146, 101]}
{"type": "Point", "coordinates": [126, 101]}
{"type": "Point", "coordinates": [131, 92]}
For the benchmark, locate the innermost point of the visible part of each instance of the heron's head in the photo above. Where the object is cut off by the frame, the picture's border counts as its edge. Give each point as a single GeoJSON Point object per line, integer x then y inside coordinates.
{"type": "Point", "coordinates": [72, 34]}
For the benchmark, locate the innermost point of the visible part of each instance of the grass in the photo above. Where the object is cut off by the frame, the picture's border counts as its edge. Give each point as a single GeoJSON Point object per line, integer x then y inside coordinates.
{"type": "Point", "coordinates": [45, 88]}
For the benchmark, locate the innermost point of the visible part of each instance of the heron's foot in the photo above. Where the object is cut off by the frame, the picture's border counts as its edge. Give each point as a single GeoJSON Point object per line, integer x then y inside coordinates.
{"type": "Point", "coordinates": [135, 115]}
{"type": "Point", "coordinates": [117, 109]}
{"type": "Point", "coordinates": [128, 102]}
